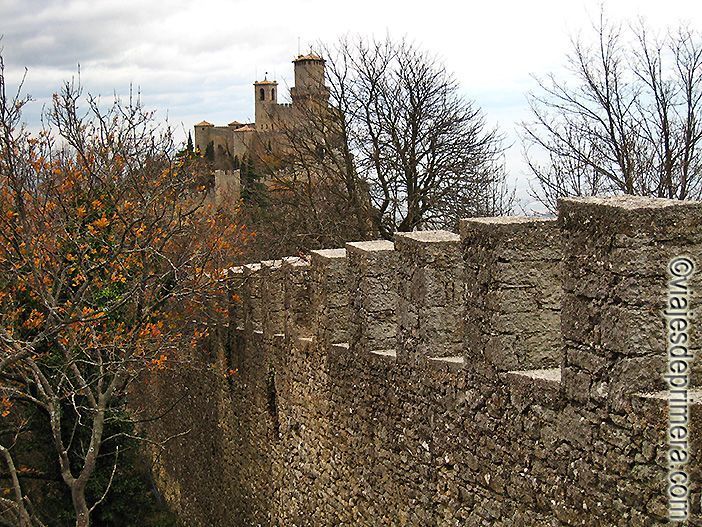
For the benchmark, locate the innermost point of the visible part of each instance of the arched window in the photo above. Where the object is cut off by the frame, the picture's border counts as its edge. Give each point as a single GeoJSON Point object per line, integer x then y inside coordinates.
{"type": "Point", "coordinates": [262, 95]}
{"type": "Point", "coordinates": [273, 94]}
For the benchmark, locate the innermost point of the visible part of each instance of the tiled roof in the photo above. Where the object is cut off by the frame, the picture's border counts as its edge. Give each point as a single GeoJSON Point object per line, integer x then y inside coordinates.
{"type": "Point", "coordinates": [204, 123]}
{"type": "Point", "coordinates": [309, 56]}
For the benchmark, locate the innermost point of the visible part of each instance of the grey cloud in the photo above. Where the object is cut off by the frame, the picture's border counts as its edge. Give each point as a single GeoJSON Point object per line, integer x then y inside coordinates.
{"type": "Point", "coordinates": [197, 60]}
{"type": "Point", "coordinates": [180, 69]}
{"type": "Point", "coordinates": [60, 34]}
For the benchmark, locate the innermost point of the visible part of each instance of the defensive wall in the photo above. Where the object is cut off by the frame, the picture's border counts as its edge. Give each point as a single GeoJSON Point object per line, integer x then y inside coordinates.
{"type": "Point", "coordinates": [507, 376]}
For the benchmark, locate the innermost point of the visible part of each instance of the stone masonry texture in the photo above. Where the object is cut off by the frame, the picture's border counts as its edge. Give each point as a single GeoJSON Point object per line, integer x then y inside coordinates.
{"type": "Point", "coordinates": [513, 293]}
{"type": "Point", "coordinates": [506, 377]}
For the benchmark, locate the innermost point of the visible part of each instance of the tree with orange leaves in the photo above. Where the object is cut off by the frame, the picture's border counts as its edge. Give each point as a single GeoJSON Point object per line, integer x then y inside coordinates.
{"type": "Point", "coordinates": [111, 259]}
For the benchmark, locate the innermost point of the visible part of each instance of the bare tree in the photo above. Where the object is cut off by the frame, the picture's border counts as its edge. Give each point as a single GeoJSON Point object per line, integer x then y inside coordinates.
{"type": "Point", "coordinates": [399, 148]}
{"type": "Point", "coordinates": [425, 149]}
{"type": "Point", "coordinates": [110, 260]}
{"type": "Point", "coordinates": [625, 121]}
{"type": "Point", "coordinates": [314, 196]}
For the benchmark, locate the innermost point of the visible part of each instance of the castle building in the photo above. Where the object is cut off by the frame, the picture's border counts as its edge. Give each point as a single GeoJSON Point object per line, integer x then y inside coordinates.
{"type": "Point", "coordinates": [230, 143]}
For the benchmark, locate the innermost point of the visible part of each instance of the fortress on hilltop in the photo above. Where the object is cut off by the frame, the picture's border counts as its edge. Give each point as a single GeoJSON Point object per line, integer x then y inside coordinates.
{"type": "Point", "coordinates": [229, 144]}
{"type": "Point", "coordinates": [506, 376]}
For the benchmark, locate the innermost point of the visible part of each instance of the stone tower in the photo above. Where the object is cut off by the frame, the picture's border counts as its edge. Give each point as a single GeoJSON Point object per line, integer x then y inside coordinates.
{"type": "Point", "coordinates": [309, 80]}
{"type": "Point", "coordinates": [266, 96]}
{"type": "Point", "coordinates": [234, 141]}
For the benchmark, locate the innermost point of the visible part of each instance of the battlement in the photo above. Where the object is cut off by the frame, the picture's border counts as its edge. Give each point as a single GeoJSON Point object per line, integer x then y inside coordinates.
{"type": "Point", "coordinates": [493, 294]}
{"type": "Point", "coordinates": [507, 375]}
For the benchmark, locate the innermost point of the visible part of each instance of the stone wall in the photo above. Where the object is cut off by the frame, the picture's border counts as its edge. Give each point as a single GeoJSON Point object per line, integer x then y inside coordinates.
{"type": "Point", "coordinates": [228, 143]}
{"type": "Point", "coordinates": [509, 376]}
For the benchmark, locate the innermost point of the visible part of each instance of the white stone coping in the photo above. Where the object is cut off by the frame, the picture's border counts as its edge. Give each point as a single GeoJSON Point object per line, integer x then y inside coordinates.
{"type": "Point", "coordinates": [694, 396]}
{"type": "Point", "coordinates": [429, 236]}
{"type": "Point", "coordinates": [549, 374]}
{"type": "Point", "coordinates": [371, 246]}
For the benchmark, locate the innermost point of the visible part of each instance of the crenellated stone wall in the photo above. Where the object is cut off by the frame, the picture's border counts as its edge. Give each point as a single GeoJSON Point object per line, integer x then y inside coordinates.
{"type": "Point", "coordinates": [506, 376]}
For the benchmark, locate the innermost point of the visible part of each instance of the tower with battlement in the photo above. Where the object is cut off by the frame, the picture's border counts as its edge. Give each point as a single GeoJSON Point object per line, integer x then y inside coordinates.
{"type": "Point", "coordinates": [309, 80]}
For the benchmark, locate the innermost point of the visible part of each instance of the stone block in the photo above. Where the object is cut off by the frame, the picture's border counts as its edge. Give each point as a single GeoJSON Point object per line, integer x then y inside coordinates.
{"type": "Point", "coordinates": [272, 297]}
{"type": "Point", "coordinates": [616, 255]}
{"type": "Point", "coordinates": [296, 280]}
{"type": "Point", "coordinates": [373, 295]}
{"type": "Point", "coordinates": [512, 293]}
{"type": "Point", "coordinates": [429, 294]}
{"type": "Point", "coordinates": [329, 295]}
{"type": "Point", "coordinates": [253, 307]}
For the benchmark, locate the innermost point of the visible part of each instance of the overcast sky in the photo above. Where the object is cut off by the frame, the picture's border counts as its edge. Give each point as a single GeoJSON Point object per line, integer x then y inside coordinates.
{"type": "Point", "coordinates": [197, 60]}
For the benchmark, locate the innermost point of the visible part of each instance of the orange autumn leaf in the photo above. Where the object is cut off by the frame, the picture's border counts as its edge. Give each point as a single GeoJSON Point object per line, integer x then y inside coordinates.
{"type": "Point", "coordinates": [102, 222]}
{"type": "Point", "coordinates": [160, 362]}
{"type": "Point", "coordinates": [5, 406]}
{"type": "Point", "coordinates": [118, 277]}
{"type": "Point", "coordinates": [35, 320]}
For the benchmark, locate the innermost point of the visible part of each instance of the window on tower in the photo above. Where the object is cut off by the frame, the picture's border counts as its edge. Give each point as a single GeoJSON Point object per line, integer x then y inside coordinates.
{"type": "Point", "coordinates": [273, 94]}
{"type": "Point", "coordinates": [262, 94]}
